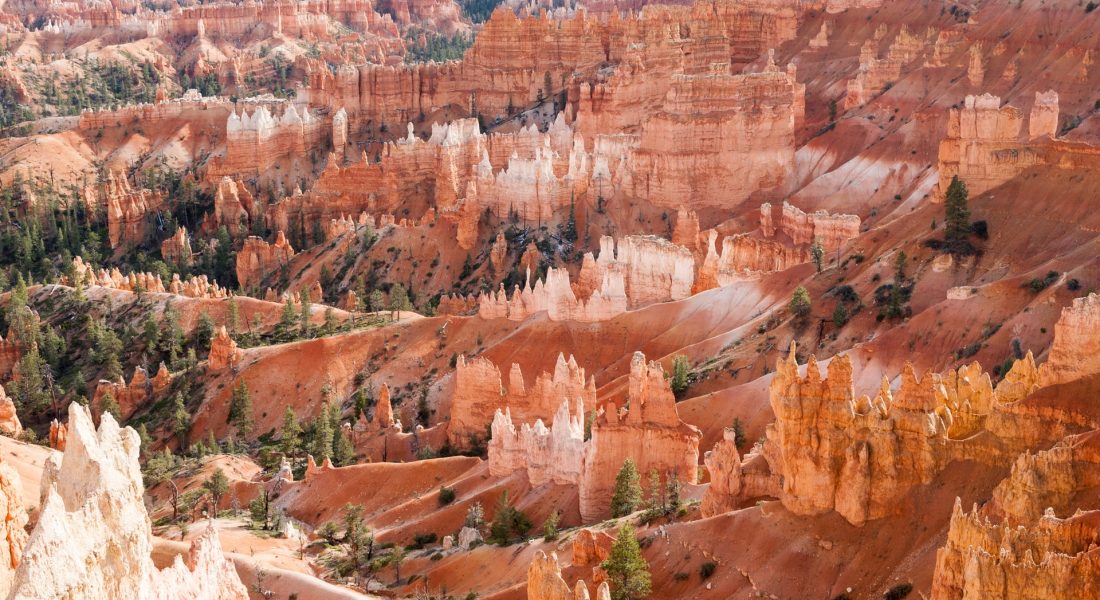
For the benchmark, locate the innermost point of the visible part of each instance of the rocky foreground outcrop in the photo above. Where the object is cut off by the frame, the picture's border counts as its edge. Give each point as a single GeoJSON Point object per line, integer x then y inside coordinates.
{"type": "Point", "coordinates": [94, 540]}
{"type": "Point", "coordinates": [544, 582]}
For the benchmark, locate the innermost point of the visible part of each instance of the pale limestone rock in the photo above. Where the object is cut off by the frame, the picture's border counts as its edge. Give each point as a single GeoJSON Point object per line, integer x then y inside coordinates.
{"type": "Point", "coordinates": [93, 539]}
{"type": "Point", "coordinates": [12, 532]}
{"type": "Point", "coordinates": [467, 537]}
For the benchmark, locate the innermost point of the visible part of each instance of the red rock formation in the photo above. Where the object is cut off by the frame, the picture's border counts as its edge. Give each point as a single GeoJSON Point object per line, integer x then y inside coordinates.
{"type": "Point", "coordinates": [479, 394]}
{"type": "Point", "coordinates": [58, 435]}
{"type": "Point", "coordinates": [383, 411]}
{"type": "Point", "coordinates": [650, 433]}
{"type": "Point", "coordinates": [223, 352]}
{"type": "Point", "coordinates": [498, 252]}
{"type": "Point", "coordinates": [555, 454]}
{"type": "Point", "coordinates": [831, 230]}
{"type": "Point", "coordinates": [875, 73]}
{"type": "Point", "coordinates": [544, 582]}
{"type": "Point", "coordinates": [1075, 351]}
{"type": "Point", "coordinates": [176, 250]}
{"type": "Point", "coordinates": [234, 206]}
{"type": "Point", "coordinates": [724, 465]}
{"type": "Point", "coordinates": [257, 259]}
{"type": "Point", "coordinates": [555, 296]}
{"type": "Point", "coordinates": [92, 500]}
{"type": "Point", "coordinates": [134, 395]}
{"type": "Point", "coordinates": [256, 141]}
{"type": "Point", "coordinates": [127, 209]}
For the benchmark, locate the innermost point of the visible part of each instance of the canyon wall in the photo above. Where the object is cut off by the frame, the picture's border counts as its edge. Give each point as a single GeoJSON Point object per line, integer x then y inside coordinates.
{"type": "Point", "coordinates": [654, 269]}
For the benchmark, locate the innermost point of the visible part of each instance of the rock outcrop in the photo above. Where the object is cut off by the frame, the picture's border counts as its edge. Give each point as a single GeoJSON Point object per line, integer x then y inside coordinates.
{"type": "Point", "coordinates": [555, 296]}
{"type": "Point", "coordinates": [544, 582]}
{"type": "Point", "coordinates": [223, 351]}
{"type": "Point", "coordinates": [128, 209]}
{"type": "Point", "coordinates": [94, 539]}
{"type": "Point", "coordinates": [257, 259]}
{"type": "Point", "coordinates": [176, 250]}
{"type": "Point", "coordinates": [654, 269]}
{"type": "Point", "coordinates": [555, 454]}
{"type": "Point", "coordinates": [13, 535]}
{"type": "Point", "coordinates": [724, 465]}
{"type": "Point", "coordinates": [647, 430]}
{"type": "Point", "coordinates": [479, 394]}
{"type": "Point", "coordinates": [9, 420]}
{"type": "Point", "coordinates": [134, 395]}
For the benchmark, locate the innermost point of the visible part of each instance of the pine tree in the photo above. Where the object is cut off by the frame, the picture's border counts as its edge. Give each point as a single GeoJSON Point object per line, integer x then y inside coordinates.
{"type": "Point", "coordinates": [304, 314]}
{"type": "Point", "coordinates": [290, 433]}
{"type": "Point", "coordinates": [627, 572]}
{"type": "Point", "coordinates": [343, 453]}
{"type": "Point", "coordinates": [240, 410]}
{"type": "Point", "coordinates": [673, 495]}
{"type": "Point", "coordinates": [287, 319]}
{"type": "Point", "coordinates": [181, 420]}
{"type": "Point", "coordinates": [657, 499]}
{"type": "Point", "coordinates": [216, 486]}
{"type": "Point", "coordinates": [322, 435]}
{"type": "Point", "coordinates": [957, 217]}
{"type": "Point", "coordinates": [628, 490]}
{"type": "Point", "coordinates": [800, 302]}
{"type": "Point", "coordinates": [399, 300]}
{"type": "Point", "coordinates": [233, 319]}
{"type": "Point", "coordinates": [204, 332]}
{"type": "Point", "coordinates": [108, 404]}
{"type": "Point", "coordinates": [681, 372]}
{"type": "Point", "coordinates": [150, 333]}
{"type": "Point", "coordinates": [818, 253]}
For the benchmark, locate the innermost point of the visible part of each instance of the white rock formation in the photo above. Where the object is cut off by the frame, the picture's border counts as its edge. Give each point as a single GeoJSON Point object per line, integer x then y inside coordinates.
{"type": "Point", "coordinates": [93, 539]}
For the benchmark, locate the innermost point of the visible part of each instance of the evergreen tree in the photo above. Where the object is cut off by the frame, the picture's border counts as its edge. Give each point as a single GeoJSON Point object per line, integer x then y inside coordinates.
{"type": "Point", "coordinates": [181, 420]}
{"type": "Point", "coordinates": [171, 334]}
{"type": "Point", "coordinates": [290, 433]}
{"type": "Point", "coordinates": [343, 453]}
{"type": "Point", "coordinates": [233, 318]}
{"type": "Point", "coordinates": [681, 372]}
{"type": "Point", "coordinates": [627, 572]}
{"type": "Point", "coordinates": [323, 435]}
{"type": "Point", "coordinates": [376, 301]}
{"type": "Point", "coordinates": [399, 300]}
{"type": "Point", "coordinates": [217, 486]}
{"type": "Point", "coordinates": [800, 303]}
{"type": "Point", "coordinates": [108, 404]}
{"type": "Point", "coordinates": [818, 253]}
{"type": "Point", "coordinates": [899, 267]}
{"type": "Point", "coordinates": [840, 315]}
{"type": "Point", "coordinates": [287, 319]}
{"type": "Point", "coordinates": [204, 332]}
{"type": "Point", "coordinates": [150, 333]}
{"type": "Point", "coordinates": [240, 410]}
{"type": "Point", "coordinates": [475, 516]}
{"type": "Point", "coordinates": [628, 490]}
{"type": "Point", "coordinates": [306, 311]}
{"type": "Point", "coordinates": [957, 217]}
{"type": "Point", "coordinates": [673, 495]}
{"type": "Point", "coordinates": [657, 498]}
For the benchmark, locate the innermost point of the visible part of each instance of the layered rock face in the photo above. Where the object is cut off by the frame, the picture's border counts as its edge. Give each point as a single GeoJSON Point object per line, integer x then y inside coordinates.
{"type": "Point", "coordinates": [857, 456]}
{"type": "Point", "coordinates": [654, 269]}
{"type": "Point", "coordinates": [783, 241]}
{"type": "Point", "coordinates": [1075, 351]}
{"type": "Point", "coordinates": [875, 73]}
{"type": "Point", "coordinates": [724, 465]}
{"type": "Point", "coordinates": [9, 420]}
{"type": "Point", "coordinates": [718, 138]}
{"type": "Point", "coordinates": [986, 144]}
{"type": "Point", "coordinates": [257, 259]}
{"type": "Point", "coordinates": [647, 430]}
{"type": "Point", "coordinates": [234, 206]}
{"type": "Point", "coordinates": [255, 142]}
{"type": "Point", "coordinates": [479, 395]}
{"type": "Point", "coordinates": [93, 538]}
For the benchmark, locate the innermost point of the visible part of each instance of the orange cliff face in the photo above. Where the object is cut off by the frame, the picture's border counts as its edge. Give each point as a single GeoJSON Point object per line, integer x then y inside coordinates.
{"type": "Point", "coordinates": [258, 259]}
